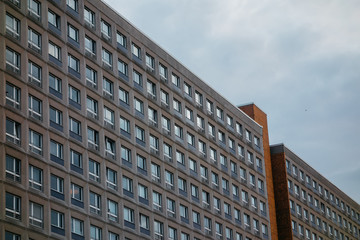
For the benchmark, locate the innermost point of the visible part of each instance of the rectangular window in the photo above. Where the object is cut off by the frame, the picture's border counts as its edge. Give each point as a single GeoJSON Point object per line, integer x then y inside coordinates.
{"type": "Point", "coordinates": [13, 130]}
{"type": "Point", "coordinates": [127, 184]}
{"type": "Point", "coordinates": [122, 67]}
{"type": "Point", "coordinates": [124, 96]}
{"type": "Point", "coordinates": [105, 29]}
{"type": "Point", "coordinates": [55, 83]}
{"type": "Point", "coordinates": [74, 126]}
{"type": "Point", "coordinates": [110, 149]}
{"type": "Point", "coordinates": [175, 80]}
{"type": "Point", "coordinates": [164, 96]}
{"type": "Point", "coordinates": [77, 192]}
{"type": "Point", "coordinates": [89, 16]}
{"type": "Point", "coordinates": [73, 33]}
{"type": "Point", "coordinates": [142, 191]}
{"type": "Point", "coordinates": [150, 62]}
{"type": "Point", "coordinates": [108, 87]}
{"type": "Point", "coordinates": [151, 89]}
{"type": "Point", "coordinates": [12, 60]}
{"type": "Point", "coordinates": [140, 134]}
{"type": "Point", "coordinates": [111, 178]}
{"type": "Point", "coordinates": [125, 124]}
{"type": "Point", "coordinates": [107, 58]}
{"type": "Point", "coordinates": [157, 200]}
{"type": "Point", "coordinates": [76, 159]}
{"type": "Point", "coordinates": [141, 162]}
{"type": "Point", "coordinates": [77, 226]}
{"type": "Point", "coordinates": [57, 219]}
{"type": "Point", "coordinates": [13, 95]}
{"type": "Point", "coordinates": [126, 154]}
{"type": "Point", "coordinates": [57, 184]}
{"type": "Point", "coordinates": [56, 149]}
{"type": "Point", "coordinates": [144, 222]}
{"type": "Point", "coordinates": [34, 74]}
{"type": "Point", "coordinates": [91, 76]}
{"type": "Point", "coordinates": [90, 45]}
{"type": "Point", "coordinates": [74, 94]}
{"type": "Point", "coordinates": [154, 143]}
{"type": "Point", "coordinates": [95, 233]}
{"type": "Point", "coordinates": [163, 71]}
{"type": "Point", "coordinates": [13, 206]}
{"type": "Point", "coordinates": [74, 63]}
{"type": "Point", "coordinates": [73, 4]}
{"type": "Point", "coordinates": [220, 113]}
{"type": "Point", "coordinates": [94, 170]}
{"type": "Point", "coordinates": [128, 215]}
{"type": "Point", "coordinates": [92, 107]}
{"type": "Point", "coordinates": [155, 172]}
{"type": "Point", "coordinates": [187, 89]}
{"type": "Point", "coordinates": [54, 19]}
{"type": "Point", "coordinates": [54, 51]}
{"type": "Point", "coordinates": [121, 39]}
{"type": "Point", "coordinates": [109, 117]}
{"type": "Point", "coordinates": [36, 214]}
{"type": "Point", "coordinates": [12, 26]}
{"type": "Point", "coordinates": [13, 168]}
{"type": "Point", "coordinates": [35, 107]}
{"type": "Point", "coordinates": [137, 78]}
{"type": "Point", "coordinates": [35, 142]}
{"type": "Point", "coordinates": [34, 40]}
{"type": "Point", "coordinates": [136, 50]}
{"type": "Point", "coordinates": [139, 105]}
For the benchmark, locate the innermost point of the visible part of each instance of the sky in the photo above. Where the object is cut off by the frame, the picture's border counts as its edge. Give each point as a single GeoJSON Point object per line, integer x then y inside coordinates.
{"type": "Point", "coordinates": [299, 61]}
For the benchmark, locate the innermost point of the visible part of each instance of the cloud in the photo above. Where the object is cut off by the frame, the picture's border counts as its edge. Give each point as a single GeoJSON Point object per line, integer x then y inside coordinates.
{"type": "Point", "coordinates": [297, 60]}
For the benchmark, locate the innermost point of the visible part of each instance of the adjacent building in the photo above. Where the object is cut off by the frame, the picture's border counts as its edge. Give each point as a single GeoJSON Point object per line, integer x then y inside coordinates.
{"type": "Point", "coordinates": [107, 136]}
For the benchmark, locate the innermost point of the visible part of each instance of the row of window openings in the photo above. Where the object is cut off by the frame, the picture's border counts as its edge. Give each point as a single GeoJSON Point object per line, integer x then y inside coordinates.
{"type": "Point", "coordinates": [74, 63]}
{"type": "Point", "coordinates": [317, 187]}
{"type": "Point", "coordinates": [35, 110]}
{"type": "Point", "coordinates": [13, 172]}
{"type": "Point", "coordinates": [331, 214]}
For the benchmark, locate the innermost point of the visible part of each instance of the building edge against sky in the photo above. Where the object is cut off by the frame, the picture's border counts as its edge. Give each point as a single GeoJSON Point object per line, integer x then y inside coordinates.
{"type": "Point", "coordinates": [109, 137]}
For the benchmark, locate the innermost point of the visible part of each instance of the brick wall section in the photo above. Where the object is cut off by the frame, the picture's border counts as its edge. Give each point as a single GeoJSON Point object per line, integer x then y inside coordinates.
{"type": "Point", "coordinates": [261, 118]}
{"type": "Point", "coordinates": [283, 216]}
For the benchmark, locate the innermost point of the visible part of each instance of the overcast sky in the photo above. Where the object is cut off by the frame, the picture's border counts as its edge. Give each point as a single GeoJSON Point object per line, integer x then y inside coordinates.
{"type": "Point", "coordinates": [299, 61]}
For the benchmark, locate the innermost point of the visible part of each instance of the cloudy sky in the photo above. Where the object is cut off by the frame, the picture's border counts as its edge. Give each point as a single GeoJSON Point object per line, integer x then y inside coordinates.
{"type": "Point", "coordinates": [299, 61]}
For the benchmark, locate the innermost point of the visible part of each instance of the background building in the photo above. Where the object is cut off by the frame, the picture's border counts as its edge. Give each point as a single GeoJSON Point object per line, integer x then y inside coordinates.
{"type": "Point", "coordinates": [109, 137]}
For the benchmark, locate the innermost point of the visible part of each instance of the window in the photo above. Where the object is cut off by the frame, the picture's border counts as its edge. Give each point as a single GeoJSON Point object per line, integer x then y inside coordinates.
{"type": "Point", "coordinates": [248, 135]}
{"type": "Point", "coordinates": [54, 19]}
{"type": "Point", "coordinates": [74, 94]}
{"type": "Point", "coordinates": [204, 172]}
{"type": "Point", "coordinates": [121, 39]}
{"type": "Point", "coordinates": [165, 122]}
{"type": "Point", "coordinates": [125, 125]}
{"type": "Point", "coordinates": [74, 126]}
{"type": "Point", "coordinates": [218, 229]}
{"type": "Point", "coordinates": [90, 45]}
{"type": "Point", "coordinates": [187, 89]}
{"type": "Point", "coordinates": [192, 165]}
{"type": "Point", "coordinates": [92, 107]}
{"type": "Point", "coordinates": [107, 58]}
{"type": "Point", "coordinates": [140, 134]}
{"type": "Point", "coordinates": [13, 95]}
{"type": "Point", "coordinates": [220, 113]}
{"type": "Point", "coordinates": [124, 96]}
{"type": "Point", "coordinates": [223, 160]}
{"type": "Point", "coordinates": [13, 60]}
{"type": "Point", "coordinates": [144, 221]}
{"type": "Point", "coordinates": [244, 196]}
{"type": "Point", "coordinates": [108, 87]}
{"type": "Point", "coordinates": [76, 192]}
{"type": "Point", "coordinates": [158, 229]}
{"type": "Point", "coordinates": [13, 168]}
{"type": "Point", "coordinates": [164, 96]}
{"type": "Point", "coordinates": [54, 51]}
{"type": "Point", "coordinates": [137, 78]}
{"type": "Point", "coordinates": [190, 139]}
{"type": "Point", "coordinates": [177, 105]}
{"type": "Point", "coordinates": [55, 83]}
{"type": "Point", "coordinates": [122, 67]}
{"type": "Point", "coordinates": [36, 214]}
{"type": "Point", "coordinates": [35, 107]}
{"type": "Point", "coordinates": [89, 17]}
{"type": "Point", "coordinates": [13, 206]}
{"type": "Point", "coordinates": [183, 211]}
{"type": "Point", "coordinates": [155, 172]}
{"type": "Point", "coordinates": [182, 184]}
{"type": "Point", "coordinates": [110, 149]}
{"type": "Point", "coordinates": [13, 130]}
{"type": "Point", "coordinates": [142, 191]}
{"type": "Point", "coordinates": [213, 154]}
{"type": "Point", "coordinates": [35, 142]}
{"type": "Point", "coordinates": [139, 105]}
{"type": "Point", "coordinates": [127, 184]}
{"type": "Point", "coordinates": [35, 177]}
{"type": "Point", "coordinates": [113, 236]}
{"type": "Point", "coordinates": [125, 154]}
{"type": "Point", "coordinates": [216, 204]}
{"type": "Point", "coordinates": [169, 178]}
{"type": "Point", "coordinates": [225, 184]}
{"type": "Point", "coordinates": [57, 219]}
{"type": "Point", "coordinates": [250, 157]}
{"type": "Point", "coordinates": [178, 131]}
{"type": "Point", "coordinates": [172, 233]}
{"type": "Point", "coordinates": [194, 191]}
{"type": "Point", "coordinates": [73, 33]}
{"type": "Point", "coordinates": [175, 80]}
{"type": "Point", "coordinates": [57, 184]}
{"type": "Point", "coordinates": [150, 61]}
{"type": "Point", "coordinates": [170, 206]}
{"type": "Point", "coordinates": [73, 4]}
{"type": "Point", "coordinates": [109, 117]}
{"type": "Point", "coordinates": [12, 26]}
{"type": "Point", "coordinates": [112, 210]}
{"type": "Point", "coordinates": [94, 170]}
{"type": "Point", "coordinates": [207, 223]}
{"type": "Point", "coordinates": [152, 114]}
{"type": "Point", "coordinates": [105, 29]}
{"type": "Point", "coordinates": [111, 178]}
{"type": "Point", "coordinates": [128, 215]}
{"type": "Point", "coordinates": [151, 88]}
{"type": "Point", "coordinates": [95, 233]}
{"type": "Point", "coordinates": [136, 50]}
{"type": "Point", "coordinates": [76, 158]}
{"type": "Point", "coordinates": [154, 143]}
{"type": "Point", "coordinates": [74, 63]}
{"type": "Point", "coordinates": [202, 147]}
{"type": "Point", "coordinates": [77, 226]}
{"type": "Point", "coordinates": [235, 190]}
{"type": "Point", "coordinates": [34, 73]}
{"type": "Point", "coordinates": [34, 40]}
{"type": "Point", "coordinates": [157, 200]}
{"type": "Point", "coordinates": [189, 114]}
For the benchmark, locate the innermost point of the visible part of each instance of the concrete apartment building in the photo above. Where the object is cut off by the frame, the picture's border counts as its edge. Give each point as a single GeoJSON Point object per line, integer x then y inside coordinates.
{"type": "Point", "coordinates": [109, 137]}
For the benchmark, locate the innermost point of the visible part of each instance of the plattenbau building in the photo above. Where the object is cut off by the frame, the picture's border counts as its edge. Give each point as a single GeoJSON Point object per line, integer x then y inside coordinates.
{"type": "Point", "coordinates": [106, 136]}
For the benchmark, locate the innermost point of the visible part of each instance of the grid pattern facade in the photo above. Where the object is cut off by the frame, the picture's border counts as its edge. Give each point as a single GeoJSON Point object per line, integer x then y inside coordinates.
{"type": "Point", "coordinates": [318, 209]}
{"type": "Point", "coordinates": [108, 137]}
